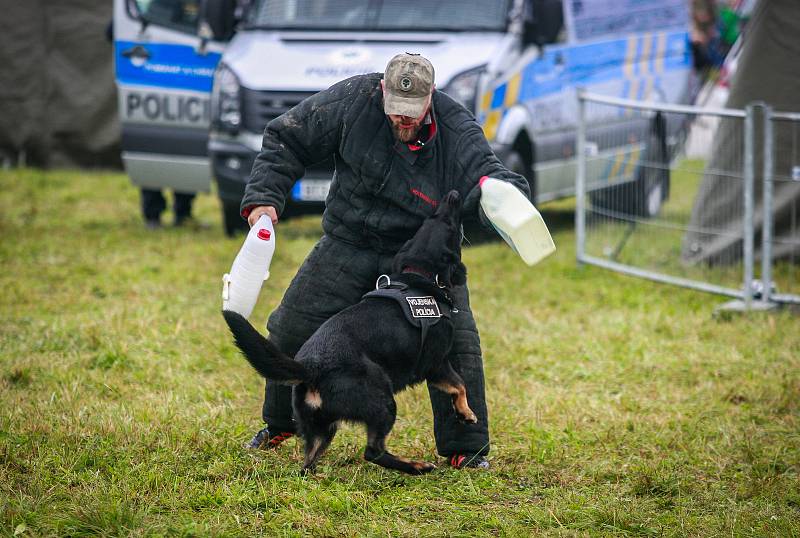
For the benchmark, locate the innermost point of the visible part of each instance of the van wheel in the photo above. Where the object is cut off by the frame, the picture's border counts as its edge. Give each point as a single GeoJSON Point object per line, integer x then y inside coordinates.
{"type": "Point", "coordinates": [474, 230]}
{"type": "Point", "coordinates": [515, 162]}
{"type": "Point", "coordinates": [645, 195]}
{"type": "Point", "coordinates": [232, 221]}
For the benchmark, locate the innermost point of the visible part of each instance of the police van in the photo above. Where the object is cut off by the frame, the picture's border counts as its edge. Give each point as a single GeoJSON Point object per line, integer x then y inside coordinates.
{"type": "Point", "coordinates": [516, 64]}
{"type": "Point", "coordinates": [164, 73]}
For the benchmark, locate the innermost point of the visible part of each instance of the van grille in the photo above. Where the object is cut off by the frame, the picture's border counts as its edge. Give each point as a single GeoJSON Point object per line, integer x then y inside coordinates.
{"type": "Point", "coordinates": [261, 107]}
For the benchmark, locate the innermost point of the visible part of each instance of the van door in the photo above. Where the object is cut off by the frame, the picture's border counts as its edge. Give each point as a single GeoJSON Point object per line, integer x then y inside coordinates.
{"type": "Point", "coordinates": [164, 73]}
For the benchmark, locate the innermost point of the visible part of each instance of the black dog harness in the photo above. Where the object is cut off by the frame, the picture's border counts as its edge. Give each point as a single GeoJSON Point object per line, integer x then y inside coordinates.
{"type": "Point", "coordinates": [421, 309]}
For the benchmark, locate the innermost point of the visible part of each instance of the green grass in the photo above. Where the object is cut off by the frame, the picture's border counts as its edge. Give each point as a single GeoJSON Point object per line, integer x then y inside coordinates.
{"type": "Point", "coordinates": [618, 406]}
{"type": "Point", "coordinates": [656, 244]}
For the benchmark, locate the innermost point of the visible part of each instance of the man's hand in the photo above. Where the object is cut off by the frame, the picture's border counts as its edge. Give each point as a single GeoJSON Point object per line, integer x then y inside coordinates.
{"type": "Point", "coordinates": [262, 210]}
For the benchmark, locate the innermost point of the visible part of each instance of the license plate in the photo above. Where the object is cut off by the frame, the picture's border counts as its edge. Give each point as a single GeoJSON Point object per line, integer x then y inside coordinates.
{"type": "Point", "coordinates": [311, 190]}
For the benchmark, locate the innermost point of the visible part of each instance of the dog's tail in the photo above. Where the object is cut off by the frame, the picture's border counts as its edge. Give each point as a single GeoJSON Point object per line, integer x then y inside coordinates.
{"type": "Point", "coordinates": [262, 354]}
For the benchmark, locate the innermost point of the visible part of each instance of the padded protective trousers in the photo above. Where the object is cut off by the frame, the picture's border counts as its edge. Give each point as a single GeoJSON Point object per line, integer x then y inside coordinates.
{"type": "Point", "coordinates": [334, 276]}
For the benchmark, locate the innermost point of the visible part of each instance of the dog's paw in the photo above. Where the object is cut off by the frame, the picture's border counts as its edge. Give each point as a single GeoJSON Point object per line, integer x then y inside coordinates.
{"type": "Point", "coordinates": [422, 467]}
{"type": "Point", "coordinates": [307, 471]}
{"type": "Point", "coordinates": [467, 418]}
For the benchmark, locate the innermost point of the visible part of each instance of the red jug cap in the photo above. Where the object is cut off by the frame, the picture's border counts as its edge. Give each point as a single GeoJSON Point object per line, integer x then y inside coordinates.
{"type": "Point", "coordinates": [264, 234]}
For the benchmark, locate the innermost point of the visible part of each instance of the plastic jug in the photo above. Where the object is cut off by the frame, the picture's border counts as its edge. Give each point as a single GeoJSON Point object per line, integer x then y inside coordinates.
{"type": "Point", "coordinates": [516, 220]}
{"type": "Point", "coordinates": [240, 287]}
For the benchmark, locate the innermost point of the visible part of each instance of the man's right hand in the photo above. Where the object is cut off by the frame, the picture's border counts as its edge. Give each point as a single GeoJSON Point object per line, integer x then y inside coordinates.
{"type": "Point", "coordinates": [262, 210]}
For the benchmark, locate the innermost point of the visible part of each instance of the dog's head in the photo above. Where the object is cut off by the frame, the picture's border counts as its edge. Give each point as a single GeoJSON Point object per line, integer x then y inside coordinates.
{"type": "Point", "coordinates": [436, 247]}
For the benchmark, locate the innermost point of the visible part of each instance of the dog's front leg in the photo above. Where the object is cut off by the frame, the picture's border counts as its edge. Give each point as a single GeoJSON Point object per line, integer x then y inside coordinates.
{"type": "Point", "coordinates": [447, 380]}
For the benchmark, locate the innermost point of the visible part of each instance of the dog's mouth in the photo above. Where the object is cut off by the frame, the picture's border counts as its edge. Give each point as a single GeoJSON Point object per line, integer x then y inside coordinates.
{"type": "Point", "coordinates": [449, 211]}
{"type": "Point", "coordinates": [435, 250]}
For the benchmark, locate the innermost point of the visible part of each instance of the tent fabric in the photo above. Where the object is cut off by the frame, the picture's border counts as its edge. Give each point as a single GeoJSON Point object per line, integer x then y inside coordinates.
{"type": "Point", "coordinates": [767, 71]}
{"type": "Point", "coordinates": [23, 85]}
{"type": "Point", "coordinates": [57, 93]}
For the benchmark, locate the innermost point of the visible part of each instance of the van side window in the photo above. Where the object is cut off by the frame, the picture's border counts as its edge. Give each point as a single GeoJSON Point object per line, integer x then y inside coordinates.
{"type": "Point", "coordinates": [178, 15]}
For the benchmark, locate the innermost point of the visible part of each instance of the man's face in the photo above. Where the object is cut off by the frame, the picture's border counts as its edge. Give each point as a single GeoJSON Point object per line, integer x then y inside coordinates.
{"type": "Point", "coordinates": [405, 128]}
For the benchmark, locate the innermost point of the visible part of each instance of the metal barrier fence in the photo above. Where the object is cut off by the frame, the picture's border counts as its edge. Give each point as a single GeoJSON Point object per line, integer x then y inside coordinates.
{"type": "Point", "coordinates": [781, 255]}
{"type": "Point", "coordinates": [678, 194]}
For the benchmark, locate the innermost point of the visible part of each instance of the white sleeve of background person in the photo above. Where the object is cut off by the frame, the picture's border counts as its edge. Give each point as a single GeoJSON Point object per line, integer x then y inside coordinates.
{"type": "Point", "coordinates": [517, 221]}
{"type": "Point", "coordinates": [240, 287]}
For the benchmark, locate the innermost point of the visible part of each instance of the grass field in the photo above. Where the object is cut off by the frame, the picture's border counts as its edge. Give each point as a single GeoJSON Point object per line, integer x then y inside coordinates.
{"type": "Point", "coordinates": [617, 406]}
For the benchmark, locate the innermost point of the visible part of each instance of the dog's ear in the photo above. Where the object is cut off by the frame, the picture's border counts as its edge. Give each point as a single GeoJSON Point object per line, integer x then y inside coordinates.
{"type": "Point", "coordinates": [458, 274]}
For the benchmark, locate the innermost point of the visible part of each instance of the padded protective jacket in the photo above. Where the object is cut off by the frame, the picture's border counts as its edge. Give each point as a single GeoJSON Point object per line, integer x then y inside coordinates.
{"type": "Point", "coordinates": [381, 190]}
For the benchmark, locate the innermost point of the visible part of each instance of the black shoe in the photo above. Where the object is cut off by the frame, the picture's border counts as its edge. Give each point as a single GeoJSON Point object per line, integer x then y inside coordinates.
{"type": "Point", "coordinates": [264, 440]}
{"type": "Point", "coordinates": [472, 461]}
{"type": "Point", "coordinates": [152, 224]}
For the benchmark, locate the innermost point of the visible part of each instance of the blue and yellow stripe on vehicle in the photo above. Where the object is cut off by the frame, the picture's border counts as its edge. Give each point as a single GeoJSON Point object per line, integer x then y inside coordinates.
{"type": "Point", "coordinates": [512, 91]}
{"type": "Point", "coordinates": [644, 63]}
{"type": "Point", "coordinates": [657, 61]}
{"type": "Point", "coordinates": [491, 123]}
{"type": "Point", "coordinates": [638, 61]}
{"type": "Point", "coordinates": [633, 161]}
{"type": "Point", "coordinates": [622, 165]}
{"type": "Point", "coordinates": [613, 165]}
{"type": "Point", "coordinates": [495, 103]}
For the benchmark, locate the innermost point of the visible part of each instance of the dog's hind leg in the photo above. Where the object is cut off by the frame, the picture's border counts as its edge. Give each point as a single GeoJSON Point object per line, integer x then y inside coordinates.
{"type": "Point", "coordinates": [376, 453]}
{"type": "Point", "coordinates": [447, 380]}
{"type": "Point", "coordinates": [377, 430]}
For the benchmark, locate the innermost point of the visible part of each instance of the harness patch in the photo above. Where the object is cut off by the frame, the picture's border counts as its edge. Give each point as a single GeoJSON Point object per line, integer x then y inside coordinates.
{"type": "Point", "coordinates": [421, 311]}
{"type": "Point", "coordinates": [424, 307]}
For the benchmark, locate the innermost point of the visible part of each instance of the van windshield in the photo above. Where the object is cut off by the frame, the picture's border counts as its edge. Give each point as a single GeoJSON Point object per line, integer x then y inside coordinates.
{"type": "Point", "coordinates": [379, 15]}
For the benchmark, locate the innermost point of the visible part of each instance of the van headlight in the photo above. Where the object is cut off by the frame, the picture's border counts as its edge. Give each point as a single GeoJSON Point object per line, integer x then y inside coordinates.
{"type": "Point", "coordinates": [226, 100]}
{"type": "Point", "coordinates": [464, 86]}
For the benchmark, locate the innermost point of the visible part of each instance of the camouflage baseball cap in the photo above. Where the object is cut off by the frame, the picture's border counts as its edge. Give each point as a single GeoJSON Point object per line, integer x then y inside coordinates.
{"type": "Point", "coordinates": [408, 82]}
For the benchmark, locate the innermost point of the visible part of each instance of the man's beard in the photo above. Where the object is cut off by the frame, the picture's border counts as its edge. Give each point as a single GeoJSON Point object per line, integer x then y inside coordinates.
{"type": "Point", "coordinates": [405, 135]}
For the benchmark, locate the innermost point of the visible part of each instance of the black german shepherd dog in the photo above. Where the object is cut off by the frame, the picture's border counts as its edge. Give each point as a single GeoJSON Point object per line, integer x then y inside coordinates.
{"type": "Point", "coordinates": [353, 364]}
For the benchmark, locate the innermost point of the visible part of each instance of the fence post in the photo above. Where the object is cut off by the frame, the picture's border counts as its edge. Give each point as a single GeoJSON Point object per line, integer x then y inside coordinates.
{"type": "Point", "coordinates": [580, 180]}
{"type": "Point", "coordinates": [766, 231]}
{"type": "Point", "coordinates": [749, 180]}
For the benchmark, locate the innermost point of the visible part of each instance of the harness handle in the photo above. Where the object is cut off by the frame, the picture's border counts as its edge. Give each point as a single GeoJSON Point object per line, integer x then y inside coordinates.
{"type": "Point", "coordinates": [378, 282]}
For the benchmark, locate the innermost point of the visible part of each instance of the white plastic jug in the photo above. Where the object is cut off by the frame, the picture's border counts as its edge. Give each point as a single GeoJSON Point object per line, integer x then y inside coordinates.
{"type": "Point", "coordinates": [516, 220]}
{"type": "Point", "coordinates": [240, 287]}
